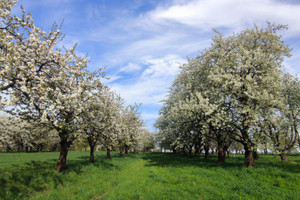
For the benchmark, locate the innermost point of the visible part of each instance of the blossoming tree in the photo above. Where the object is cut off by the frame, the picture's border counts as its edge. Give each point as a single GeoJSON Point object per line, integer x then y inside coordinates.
{"type": "Point", "coordinates": [39, 81]}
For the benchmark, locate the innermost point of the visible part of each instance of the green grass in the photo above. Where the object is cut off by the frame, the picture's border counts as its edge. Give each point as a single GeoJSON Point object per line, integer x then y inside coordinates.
{"type": "Point", "coordinates": [146, 176]}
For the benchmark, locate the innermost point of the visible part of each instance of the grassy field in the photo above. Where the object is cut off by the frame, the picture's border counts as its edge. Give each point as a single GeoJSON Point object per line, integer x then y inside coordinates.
{"type": "Point", "coordinates": [146, 176]}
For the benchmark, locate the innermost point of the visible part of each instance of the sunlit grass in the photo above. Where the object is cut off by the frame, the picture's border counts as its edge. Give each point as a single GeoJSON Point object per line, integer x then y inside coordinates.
{"type": "Point", "coordinates": [146, 176]}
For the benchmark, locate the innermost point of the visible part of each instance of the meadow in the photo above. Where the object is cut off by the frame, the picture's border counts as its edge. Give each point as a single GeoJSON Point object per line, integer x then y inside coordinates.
{"type": "Point", "coordinates": [146, 176]}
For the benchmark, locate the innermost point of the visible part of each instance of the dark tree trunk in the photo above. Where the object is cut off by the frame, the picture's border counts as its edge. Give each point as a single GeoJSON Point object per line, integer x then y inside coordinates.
{"type": "Point", "coordinates": [54, 148]}
{"type": "Point", "coordinates": [213, 151]}
{"type": "Point", "coordinates": [197, 150]}
{"type": "Point", "coordinates": [228, 154]}
{"type": "Point", "coordinates": [255, 154]}
{"type": "Point", "coordinates": [283, 157]}
{"type": "Point", "coordinates": [108, 153]}
{"type": "Point", "coordinates": [38, 148]}
{"type": "Point", "coordinates": [62, 161]}
{"type": "Point", "coordinates": [92, 157]}
{"type": "Point", "coordinates": [92, 144]}
{"type": "Point", "coordinates": [191, 150]}
{"type": "Point", "coordinates": [221, 153]}
{"type": "Point", "coordinates": [121, 152]}
{"type": "Point", "coordinates": [249, 160]}
{"type": "Point", "coordinates": [206, 151]}
{"type": "Point", "coordinates": [183, 151]}
{"type": "Point", "coordinates": [266, 151]}
{"type": "Point", "coordinates": [126, 151]}
{"type": "Point", "coordinates": [174, 150]}
{"type": "Point", "coordinates": [198, 146]}
{"type": "Point", "coordinates": [20, 147]}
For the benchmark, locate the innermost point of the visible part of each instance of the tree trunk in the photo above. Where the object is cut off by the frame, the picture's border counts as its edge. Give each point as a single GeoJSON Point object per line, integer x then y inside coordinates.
{"type": "Point", "coordinates": [20, 147]}
{"type": "Point", "coordinates": [92, 157]}
{"type": "Point", "coordinates": [121, 152]}
{"type": "Point", "coordinates": [206, 151]}
{"type": "Point", "coordinates": [228, 154]}
{"type": "Point", "coordinates": [174, 150]}
{"type": "Point", "coordinates": [197, 150]}
{"type": "Point", "coordinates": [92, 144]}
{"type": "Point", "coordinates": [266, 151]}
{"type": "Point", "coordinates": [54, 148]}
{"type": "Point", "coordinates": [126, 151]}
{"type": "Point", "coordinates": [283, 157]}
{"type": "Point", "coordinates": [198, 146]}
{"type": "Point", "coordinates": [108, 153]}
{"type": "Point", "coordinates": [213, 151]}
{"type": "Point", "coordinates": [249, 160]}
{"type": "Point", "coordinates": [255, 154]}
{"type": "Point", "coordinates": [221, 153]}
{"type": "Point", "coordinates": [190, 150]}
{"type": "Point", "coordinates": [62, 161]}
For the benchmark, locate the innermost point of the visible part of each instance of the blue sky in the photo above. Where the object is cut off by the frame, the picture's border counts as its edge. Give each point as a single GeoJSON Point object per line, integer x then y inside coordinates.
{"type": "Point", "coordinates": [142, 42]}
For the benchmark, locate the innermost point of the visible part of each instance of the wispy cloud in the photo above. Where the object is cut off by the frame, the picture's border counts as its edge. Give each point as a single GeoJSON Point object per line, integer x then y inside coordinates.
{"type": "Point", "coordinates": [231, 14]}
{"type": "Point", "coordinates": [151, 86]}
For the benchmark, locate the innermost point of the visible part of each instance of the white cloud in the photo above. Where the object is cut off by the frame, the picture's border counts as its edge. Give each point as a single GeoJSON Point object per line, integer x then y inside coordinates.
{"type": "Point", "coordinates": [152, 86]}
{"type": "Point", "coordinates": [131, 67]}
{"type": "Point", "coordinates": [185, 27]}
{"type": "Point", "coordinates": [206, 14]}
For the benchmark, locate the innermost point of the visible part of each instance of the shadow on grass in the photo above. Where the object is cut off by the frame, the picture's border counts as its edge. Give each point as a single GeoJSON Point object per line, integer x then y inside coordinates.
{"type": "Point", "coordinates": [234, 162]}
{"type": "Point", "coordinates": [21, 181]}
{"type": "Point", "coordinates": [292, 166]}
{"type": "Point", "coordinates": [177, 160]}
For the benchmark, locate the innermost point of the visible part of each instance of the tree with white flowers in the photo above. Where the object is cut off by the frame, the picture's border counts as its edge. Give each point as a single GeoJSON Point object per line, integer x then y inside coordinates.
{"type": "Point", "coordinates": [281, 124]}
{"type": "Point", "coordinates": [13, 134]}
{"type": "Point", "coordinates": [146, 141]}
{"type": "Point", "coordinates": [130, 128]}
{"type": "Point", "coordinates": [99, 120]}
{"type": "Point", "coordinates": [19, 135]}
{"type": "Point", "coordinates": [112, 122]}
{"type": "Point", "coordinates": [41, 82]}
{"type": "Point", "coordinates": [246, 68]}
{"type": "Point", "coordinates": [225, 89]}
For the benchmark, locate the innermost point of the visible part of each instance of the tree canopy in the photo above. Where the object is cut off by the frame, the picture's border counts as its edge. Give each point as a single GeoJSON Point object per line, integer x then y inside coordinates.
{"type": "Point", "coordinates": [229, 91]}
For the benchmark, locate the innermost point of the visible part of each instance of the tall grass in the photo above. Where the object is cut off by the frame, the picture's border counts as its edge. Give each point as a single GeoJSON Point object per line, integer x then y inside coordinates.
{"type": "Point", "coordinates": [146, 176]}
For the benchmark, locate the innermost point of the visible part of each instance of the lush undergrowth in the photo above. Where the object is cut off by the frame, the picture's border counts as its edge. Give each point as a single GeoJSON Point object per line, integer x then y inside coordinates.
{"type": "Point", "coordinates": [146, 176]}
